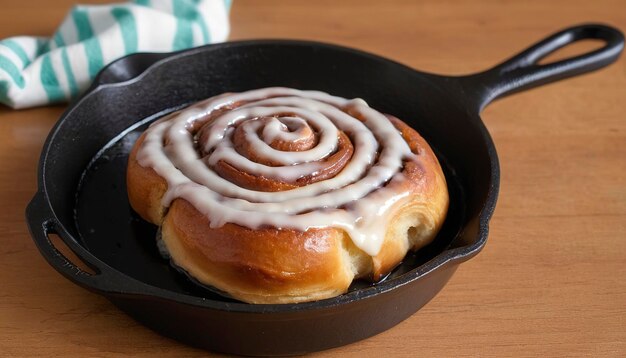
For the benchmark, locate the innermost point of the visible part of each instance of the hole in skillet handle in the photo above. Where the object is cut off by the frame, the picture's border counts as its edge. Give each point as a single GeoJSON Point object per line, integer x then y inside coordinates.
{"type": "Point", "coordinates": [69, 255]}
{"type": "Point", "coordinates": [572, 50]}
{"type": "Point", "coordinates": [60, 254]}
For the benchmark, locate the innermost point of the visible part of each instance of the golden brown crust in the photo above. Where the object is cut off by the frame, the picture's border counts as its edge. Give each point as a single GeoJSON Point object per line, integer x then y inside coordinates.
{"type": "Point", "coordinates": [417, 222]}
{"type": "Point", "coordinates": [145, 188]}
{"type": "Point", "coordinates": [259, 266]}
{"type": "Point", "coordinates": [271, 265]}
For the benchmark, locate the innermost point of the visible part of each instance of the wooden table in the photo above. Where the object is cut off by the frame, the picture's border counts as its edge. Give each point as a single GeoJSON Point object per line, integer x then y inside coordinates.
{"type": "Point", "coordinates": [552, 278]}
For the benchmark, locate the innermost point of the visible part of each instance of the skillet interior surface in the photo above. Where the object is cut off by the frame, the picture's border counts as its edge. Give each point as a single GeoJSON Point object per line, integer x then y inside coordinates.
{"type": "Point", "coordinates": [112, 231]}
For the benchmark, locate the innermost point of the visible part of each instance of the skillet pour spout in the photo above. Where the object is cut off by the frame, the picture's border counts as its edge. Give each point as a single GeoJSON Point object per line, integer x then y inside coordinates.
{"type": "Point", "coordinates": [100, 128]}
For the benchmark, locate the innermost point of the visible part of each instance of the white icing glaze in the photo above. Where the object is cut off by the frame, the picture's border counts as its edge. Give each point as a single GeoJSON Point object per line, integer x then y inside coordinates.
{"type": "Point", "coordinates": [355, 200]}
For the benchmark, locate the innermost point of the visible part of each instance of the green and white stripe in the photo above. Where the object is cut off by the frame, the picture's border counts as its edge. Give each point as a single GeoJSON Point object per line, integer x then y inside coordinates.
{"type": "Point", "coordinates": [36, 71]}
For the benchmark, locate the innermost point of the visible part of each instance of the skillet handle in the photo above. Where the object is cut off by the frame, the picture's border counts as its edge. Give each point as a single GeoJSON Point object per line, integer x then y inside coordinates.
{"type": "Point", "coordinates": [41, 223]}
{"type": "Point", "coordinates": [522, 71]}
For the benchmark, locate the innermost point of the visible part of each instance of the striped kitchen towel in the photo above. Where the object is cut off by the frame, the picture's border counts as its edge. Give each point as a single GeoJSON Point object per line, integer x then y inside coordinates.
{"type": "Point", "coordinates": [36, 71]}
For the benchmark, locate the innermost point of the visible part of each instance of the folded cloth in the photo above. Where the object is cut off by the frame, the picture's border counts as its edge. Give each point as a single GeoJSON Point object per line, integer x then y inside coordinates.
{"type": "Point", "coordinates": [36, 71]}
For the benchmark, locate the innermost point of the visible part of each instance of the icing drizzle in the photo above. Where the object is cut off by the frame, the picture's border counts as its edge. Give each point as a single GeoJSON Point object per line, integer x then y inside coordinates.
{"type": "Point", "coordinates": [184, 147]}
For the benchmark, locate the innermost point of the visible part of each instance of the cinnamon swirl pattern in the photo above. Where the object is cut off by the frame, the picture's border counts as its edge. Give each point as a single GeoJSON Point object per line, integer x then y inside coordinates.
{"type": "Point", "coordinates": [289, 159]}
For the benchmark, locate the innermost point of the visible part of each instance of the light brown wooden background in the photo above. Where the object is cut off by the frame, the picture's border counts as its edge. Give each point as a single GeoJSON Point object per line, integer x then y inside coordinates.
{"type": "Point", "coordinates": [552, 278]}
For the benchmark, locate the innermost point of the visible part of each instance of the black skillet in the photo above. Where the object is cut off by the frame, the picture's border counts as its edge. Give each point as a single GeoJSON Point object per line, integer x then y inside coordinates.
{"type": "Point", "coordinates": [82, 195]}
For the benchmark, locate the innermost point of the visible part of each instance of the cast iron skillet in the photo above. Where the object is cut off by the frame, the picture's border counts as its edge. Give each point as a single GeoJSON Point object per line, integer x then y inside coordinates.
{"type": "Point", "coordinates": [82, 194]}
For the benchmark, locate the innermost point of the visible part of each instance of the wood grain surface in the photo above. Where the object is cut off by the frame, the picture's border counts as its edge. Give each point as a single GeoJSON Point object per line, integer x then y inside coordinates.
{"type": "Point", "coordinates": [552, 278]}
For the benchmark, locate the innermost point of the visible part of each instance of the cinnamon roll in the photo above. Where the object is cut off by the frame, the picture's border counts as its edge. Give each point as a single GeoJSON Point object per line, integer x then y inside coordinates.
{"type": "Point", "coordinates": [278, 195]}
